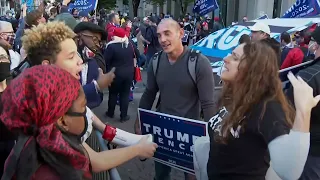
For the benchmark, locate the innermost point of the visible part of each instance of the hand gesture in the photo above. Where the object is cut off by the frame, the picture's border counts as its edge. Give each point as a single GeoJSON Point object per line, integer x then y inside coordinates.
{"type": "Point", "coordinates": [105, 80]}
{"type": "Point", "coordinates": [5, 43]}
{"type": "Point", "coordinates": [146, 149]}
{"type": "Point", "coordinates": [303, 94]}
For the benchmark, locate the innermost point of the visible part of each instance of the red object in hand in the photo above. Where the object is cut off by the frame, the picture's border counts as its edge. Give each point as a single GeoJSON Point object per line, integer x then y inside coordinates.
{"type": "Point", "coordinates": [137, 74]}
{"type": "Point", "coordinates": [109, 133]}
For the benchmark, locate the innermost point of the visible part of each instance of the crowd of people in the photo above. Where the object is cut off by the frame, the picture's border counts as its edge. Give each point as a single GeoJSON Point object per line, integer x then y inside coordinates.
{"type": "Point", "coordinates": [55, 65]}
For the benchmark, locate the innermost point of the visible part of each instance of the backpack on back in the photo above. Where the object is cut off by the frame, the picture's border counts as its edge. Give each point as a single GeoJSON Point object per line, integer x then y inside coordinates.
{"type": "Point", "coordinates": [192, 64]}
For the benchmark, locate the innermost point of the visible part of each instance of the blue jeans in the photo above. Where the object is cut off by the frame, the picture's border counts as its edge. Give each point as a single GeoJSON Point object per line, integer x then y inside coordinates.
{"type": "Point", "coordinates": [142, 60]}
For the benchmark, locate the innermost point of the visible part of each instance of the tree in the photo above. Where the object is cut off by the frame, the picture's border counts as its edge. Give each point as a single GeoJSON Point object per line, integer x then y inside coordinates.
{"type": "Point", "coordinates": [135, 4]}
{"type": "Point", "coordinates": [107, 4]}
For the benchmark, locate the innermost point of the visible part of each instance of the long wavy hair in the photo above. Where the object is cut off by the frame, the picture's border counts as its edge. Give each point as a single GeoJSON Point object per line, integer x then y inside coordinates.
{"type": "Point", "coordinates": [257, 81]}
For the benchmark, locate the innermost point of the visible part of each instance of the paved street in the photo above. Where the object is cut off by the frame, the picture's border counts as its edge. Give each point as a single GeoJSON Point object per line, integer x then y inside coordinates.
{"type": "Point", "coordinates": [134, 169]}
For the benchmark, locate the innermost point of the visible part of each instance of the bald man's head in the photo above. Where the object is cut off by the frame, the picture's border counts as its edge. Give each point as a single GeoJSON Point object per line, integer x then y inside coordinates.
{"type": "Point", "coordinates": [169, 35]}
{"type": "Point", "coordinates": [170, 22]}
{"type": "Point", "coordinates": [5, 27]}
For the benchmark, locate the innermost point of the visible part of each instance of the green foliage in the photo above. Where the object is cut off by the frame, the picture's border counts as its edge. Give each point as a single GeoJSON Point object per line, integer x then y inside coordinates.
{"type": "Point", "coordinates": [126, 2]}
{"type": "Point", "coordinates": [107, 4]}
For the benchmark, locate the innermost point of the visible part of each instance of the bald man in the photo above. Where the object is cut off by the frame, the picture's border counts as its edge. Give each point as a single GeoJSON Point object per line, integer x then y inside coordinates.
{"type": "Point", "coordinates": [181, 95]}
{"type": "Point", "coordinates": [7, 37]}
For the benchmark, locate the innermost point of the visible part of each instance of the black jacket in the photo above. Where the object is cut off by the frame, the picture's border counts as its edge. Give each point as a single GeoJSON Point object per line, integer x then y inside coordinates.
{"type": "Point", "coordinates": [311, 75]}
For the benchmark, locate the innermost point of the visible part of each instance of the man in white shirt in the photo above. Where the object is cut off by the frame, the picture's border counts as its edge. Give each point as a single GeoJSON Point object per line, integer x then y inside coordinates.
{"type": "Point", "coordinates": [7, 37]}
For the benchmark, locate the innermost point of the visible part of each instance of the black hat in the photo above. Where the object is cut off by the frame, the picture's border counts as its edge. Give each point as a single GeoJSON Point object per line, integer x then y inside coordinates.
{"type": "Point", "coordinates": [89, 26]}
{"type": "Point", "coordinates": [316, 35]}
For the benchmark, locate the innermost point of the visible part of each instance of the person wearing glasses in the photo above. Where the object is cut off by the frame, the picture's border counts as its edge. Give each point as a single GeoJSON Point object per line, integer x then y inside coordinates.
{"type": "Point", "coordinates": [89, 42]}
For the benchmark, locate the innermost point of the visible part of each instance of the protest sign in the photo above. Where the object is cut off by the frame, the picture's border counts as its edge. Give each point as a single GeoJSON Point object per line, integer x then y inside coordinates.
{"type": "Point", "coordinates": [203, 7]}
{"type": "Point", "coordinates": [175, 137]}
{"type": "Point", "coordinates": [84, 5]}
{"type": "Point", "coordinates": [303, 8]}
{"type": "Point", "coordinates": [219, 44]}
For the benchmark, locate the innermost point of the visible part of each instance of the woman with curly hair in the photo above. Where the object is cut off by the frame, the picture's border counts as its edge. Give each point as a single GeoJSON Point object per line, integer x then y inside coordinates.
{"type": "Point", "coordinates": [255, 123]}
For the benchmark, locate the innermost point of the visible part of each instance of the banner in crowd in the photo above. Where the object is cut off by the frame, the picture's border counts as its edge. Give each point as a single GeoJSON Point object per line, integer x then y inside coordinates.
{"type": "Point", "coordinates": [203, 7]}
{"type": "Point", "coordinates": [303, 8]}
{"type": "Point", "coordinates": [84, 5]}
{"type": "Point", "coordinates": [217, 45]}
{"type": "Point", "coordinates": [175, 137]}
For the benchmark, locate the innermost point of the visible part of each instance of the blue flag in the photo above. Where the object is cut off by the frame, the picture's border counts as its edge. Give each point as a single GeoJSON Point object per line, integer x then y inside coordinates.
{"type": "Point", "coordinates": [203, 7]}
{"type": "Point", "coordinates": [84, 5]}
{"type": "Point", "coordinates": [303, 8]}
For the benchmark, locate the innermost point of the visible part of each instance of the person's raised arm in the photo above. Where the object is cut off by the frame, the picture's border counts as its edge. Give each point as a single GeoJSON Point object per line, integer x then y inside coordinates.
{"type": "Point", "coordinates": [296, 143]}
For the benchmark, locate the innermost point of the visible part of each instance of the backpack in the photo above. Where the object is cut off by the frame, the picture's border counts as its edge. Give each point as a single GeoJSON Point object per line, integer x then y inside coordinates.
{"type": "Point", "coordinates": [192, 64]}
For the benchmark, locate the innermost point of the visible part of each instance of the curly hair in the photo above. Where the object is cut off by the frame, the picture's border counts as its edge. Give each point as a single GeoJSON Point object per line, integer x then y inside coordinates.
{"type": "Point", "coordinates": [257, 81]}
{"type": "Point", "coordinates": [43, 41]}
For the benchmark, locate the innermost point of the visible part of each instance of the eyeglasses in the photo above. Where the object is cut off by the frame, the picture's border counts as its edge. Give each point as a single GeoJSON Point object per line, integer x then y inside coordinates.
{"type": "Point", "coordinates": [95, 39]}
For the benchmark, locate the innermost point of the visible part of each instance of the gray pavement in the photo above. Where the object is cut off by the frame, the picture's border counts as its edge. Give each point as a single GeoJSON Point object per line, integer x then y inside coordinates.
{"type": "Point", "coordinates": [134, 169]}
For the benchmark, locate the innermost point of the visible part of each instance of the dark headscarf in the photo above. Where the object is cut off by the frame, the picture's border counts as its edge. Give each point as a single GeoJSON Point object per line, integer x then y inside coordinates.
{"type": "Point", "coordinates": [34, 101]}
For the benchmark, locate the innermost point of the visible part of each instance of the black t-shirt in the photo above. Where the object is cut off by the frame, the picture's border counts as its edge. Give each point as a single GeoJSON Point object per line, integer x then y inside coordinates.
{"type": "Point", "coordinates": [245, 156]}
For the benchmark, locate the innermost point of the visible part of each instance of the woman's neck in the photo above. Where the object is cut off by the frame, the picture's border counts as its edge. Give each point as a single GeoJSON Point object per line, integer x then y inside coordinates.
{"type": "Point", "coordinates": [3, 85]}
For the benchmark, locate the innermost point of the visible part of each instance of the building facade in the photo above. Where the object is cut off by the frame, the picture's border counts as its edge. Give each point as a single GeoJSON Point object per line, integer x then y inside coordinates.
{"type": "Point", "coordinates": [235, 10]}
{"type": "Point", "coordinates": [4, 6]}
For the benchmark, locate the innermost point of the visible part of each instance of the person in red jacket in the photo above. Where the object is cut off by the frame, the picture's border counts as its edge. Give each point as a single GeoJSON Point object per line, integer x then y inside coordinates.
{"type": "Point", "coordinates": [114, 21]}
{"type": "Point", "coordinates": [294, 57]}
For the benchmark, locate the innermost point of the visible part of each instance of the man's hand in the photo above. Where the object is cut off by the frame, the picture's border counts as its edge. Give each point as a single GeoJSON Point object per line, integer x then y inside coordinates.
{"type": "Point", "coordinates": [5, 43]}
{"type": "Point", "coordinates": [105, 80]}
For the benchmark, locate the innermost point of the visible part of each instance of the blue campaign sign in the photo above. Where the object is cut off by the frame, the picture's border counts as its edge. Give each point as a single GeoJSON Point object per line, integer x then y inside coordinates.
{"type": "Point", "coordinates": [84, 5]}
{"type": "Point", "coordinates": [175, 137]}
{"type": "Point", "coordinates": [303, 8]}
{"type": "Point", "coordinates": [203, 7]}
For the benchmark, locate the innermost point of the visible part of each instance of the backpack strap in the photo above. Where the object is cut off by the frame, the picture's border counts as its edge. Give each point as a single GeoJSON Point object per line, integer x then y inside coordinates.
{"type": "Point", "coordinates": [155, 62]}
{"type": "Point", "coordinates": [192, 64]}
